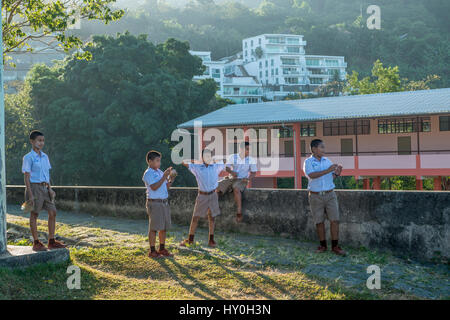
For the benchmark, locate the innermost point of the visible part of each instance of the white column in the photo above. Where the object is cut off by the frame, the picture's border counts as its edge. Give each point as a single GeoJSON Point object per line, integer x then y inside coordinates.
{"type": "Point", "coordinates": [2, 155]}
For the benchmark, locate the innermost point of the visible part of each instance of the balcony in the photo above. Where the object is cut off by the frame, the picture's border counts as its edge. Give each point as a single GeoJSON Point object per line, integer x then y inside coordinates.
{"type": "Point", "coordinates": [428, 163]}
{"type": "Point", "coordinates": [283, 51]}
{"type": "Point", "coordinates": [242, 93]}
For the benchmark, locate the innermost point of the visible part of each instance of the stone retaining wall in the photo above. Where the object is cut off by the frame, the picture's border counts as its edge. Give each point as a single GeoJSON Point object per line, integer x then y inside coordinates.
{"type": "Point", "coordinates": [413, 223]}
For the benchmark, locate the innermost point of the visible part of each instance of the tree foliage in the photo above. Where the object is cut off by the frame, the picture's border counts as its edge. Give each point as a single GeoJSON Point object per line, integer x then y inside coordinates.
{"type": "Point", "coordinates": [385, 79]}
{"type": "Point", "coordinates": [414, 35]}
{"type": "Point", "coordinates": [100, 117]}
{"type": "Point", "coordinates": [46, 21]}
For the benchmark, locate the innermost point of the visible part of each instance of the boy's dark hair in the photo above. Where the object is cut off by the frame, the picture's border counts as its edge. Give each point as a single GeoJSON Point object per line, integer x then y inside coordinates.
{"type": "Point", "coordinates": [152, 154]}
{"type": "Point", "coordinates": [34, 134]}
{"type": "Point", "coordinates": [315, 143]}
{"type": "Point", "coordinates": [244, 144]}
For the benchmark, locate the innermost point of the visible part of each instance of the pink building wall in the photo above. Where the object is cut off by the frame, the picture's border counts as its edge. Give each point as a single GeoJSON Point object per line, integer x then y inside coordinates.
{"type": "Point", "coordinates": [377, 154]}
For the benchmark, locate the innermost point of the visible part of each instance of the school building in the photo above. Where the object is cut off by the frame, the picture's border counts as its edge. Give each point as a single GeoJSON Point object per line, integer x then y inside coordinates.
{"type": "Point", "coordinates": [372, 136]}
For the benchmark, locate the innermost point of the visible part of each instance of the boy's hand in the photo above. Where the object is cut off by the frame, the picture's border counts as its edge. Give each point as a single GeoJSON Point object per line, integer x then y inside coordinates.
{"type": "Point", "coordinates": [167, 172]}
{"type": "Point", "coordinates": [332, 168]}
{"type": "Point", "coordinates": [52, 194]}
{"type": "Point", "coordinates": [338, 170]}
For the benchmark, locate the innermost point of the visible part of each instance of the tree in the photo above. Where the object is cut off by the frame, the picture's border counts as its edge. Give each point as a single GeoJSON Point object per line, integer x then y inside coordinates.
{"type": "Point", "coordinates": [46, 21]}
{"type": "Point", "coordinates": [385, 80]}
{"type": "Point", "coordinates": [101, 116]}
{"type": "Point", "coordinates": [19, 122]}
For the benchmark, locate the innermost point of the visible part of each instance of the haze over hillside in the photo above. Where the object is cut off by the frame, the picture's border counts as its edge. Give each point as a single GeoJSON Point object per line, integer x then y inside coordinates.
{"type": "Point", "coordinates": [133, 4]}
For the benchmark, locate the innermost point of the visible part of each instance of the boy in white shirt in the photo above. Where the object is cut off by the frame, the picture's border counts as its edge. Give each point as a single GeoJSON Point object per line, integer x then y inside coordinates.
{"type": "Point", "coordinates": [207, 202]}
{"type": "Point", "coordinates": [241, 168]}
{"type": "Point", "coordinates": [158, 210]}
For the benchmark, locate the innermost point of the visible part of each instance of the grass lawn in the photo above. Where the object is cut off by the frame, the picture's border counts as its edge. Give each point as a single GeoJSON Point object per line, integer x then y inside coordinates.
{"type": "Point", "coordinates": [114, 265]}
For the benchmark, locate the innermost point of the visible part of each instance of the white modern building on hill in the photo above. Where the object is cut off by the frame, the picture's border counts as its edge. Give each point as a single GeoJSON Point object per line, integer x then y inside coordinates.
{"type": "Point", "coordinates": [271, 66]}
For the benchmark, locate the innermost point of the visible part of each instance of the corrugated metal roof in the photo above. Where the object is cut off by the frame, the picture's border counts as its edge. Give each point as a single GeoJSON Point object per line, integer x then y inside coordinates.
{"type": "Point", "coordinates": [343, 107]}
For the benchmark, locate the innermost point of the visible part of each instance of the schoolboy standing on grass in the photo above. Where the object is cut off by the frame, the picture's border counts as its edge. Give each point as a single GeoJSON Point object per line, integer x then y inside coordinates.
{"type": "Point", "coordinates": [157, 205]}
{"type": "Point", "coordinates": [207, 202]}
{"type": "Point", "coordinates": [36, 169]}
{"type": "Point", "coordinates": [322, 198]}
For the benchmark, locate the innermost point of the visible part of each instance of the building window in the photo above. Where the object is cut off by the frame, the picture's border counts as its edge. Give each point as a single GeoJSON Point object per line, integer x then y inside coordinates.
{"type": "Point", "coordinates": [293, 49]}
{"type": "Point", "coordinates": [444, 123]}
{"type": "Point", "coordinates": [260, 64]}
{"type": "Point", "coordinates": [346, 127]}
{"type": "Point", "coordinates": [285, 132]}
{"type": "Point", "coordinates": [308, 129]}
{"type": "Point", "coordinates": [291, 80]}
{"type": "Point", "coordinates": [276, 71]}
{"type": "Point", "coordinates": [271, 62]}
{"type": "Point", "coordinates": [245, 44]}
{"type": "Point", "coordinates": [404, 125]}
{"type": "Point", "coordinates": [267, 73]}
{"type": "Point", "coordinates": [216, 73]}
{"type": "Point", "coordinates": [260, 74]}
{"type": "Point", "coordinates": [277, 81]}
{"type": "Point", "coordinates": [246, 53]}
{"type": "Point", "coordinates": [271, 72]}
{"type": "Point", "coordinates": [259, 40]}
{"type": "Point", "coordinates": [312, 62]}
{"type": "Point", "coordinates": [315, 80]}
{"type": "Point", "coordinates": [267, 63]}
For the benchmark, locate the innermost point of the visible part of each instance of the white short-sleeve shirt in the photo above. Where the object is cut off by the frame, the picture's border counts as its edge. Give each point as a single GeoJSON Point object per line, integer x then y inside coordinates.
{"type": "Point", "coordinates": [152, 176]}
{"type": "Point", "coordinates": [207, 176]}
{"type": "Point", "coordinates": [323, 183]}
{"type": "Point", "coordinates": [38, 165]}
{"type": "Point", "coordinates": [242, 166]}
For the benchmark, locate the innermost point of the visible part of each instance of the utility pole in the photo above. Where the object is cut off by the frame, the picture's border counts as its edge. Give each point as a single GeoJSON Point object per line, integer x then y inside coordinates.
{"type": "Point", "coordinates": [2, 152]}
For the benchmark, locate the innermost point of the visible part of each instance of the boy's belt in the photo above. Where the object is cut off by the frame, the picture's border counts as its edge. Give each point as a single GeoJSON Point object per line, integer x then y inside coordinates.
{"type": "Point", "coordinates": [321, 192]}
{"type": "Point", "coordinates": [158, 200]}
{"type": "Point", "coordinates": [206, 193]}
{"type": "Point", "coordinates": [41, 183]}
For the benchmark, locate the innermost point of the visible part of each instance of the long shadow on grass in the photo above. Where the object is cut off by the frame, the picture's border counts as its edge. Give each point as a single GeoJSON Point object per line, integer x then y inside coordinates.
{"type": "Point", "coordinates": [184, 271]}
{"type": "Point", "coordinates": [242, 279]}
{"type": "Point", "coordinates": [268, 279]}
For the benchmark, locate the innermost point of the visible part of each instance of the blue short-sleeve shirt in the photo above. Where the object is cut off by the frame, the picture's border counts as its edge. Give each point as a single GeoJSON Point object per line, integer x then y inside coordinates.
{"type": "Point", "coordinates": [242, 166]}
{"type": "Point", "coordinates": [152, 176]}
{"type": "Point", "coordinates": [207, 176]}
{"type": "Point", "coordinates": [323, 183]}
{"type": "Point", "coordinates": [38, 165]}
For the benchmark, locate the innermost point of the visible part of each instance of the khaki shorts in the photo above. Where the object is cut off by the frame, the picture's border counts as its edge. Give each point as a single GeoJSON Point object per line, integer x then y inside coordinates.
{"type": "Point", "coordinates": [324, 206]}
{"type": "Point", "coordinates": [41, 198]}
{"type": "Point", "coordinates": [205, 202]}
{"type": "Point", "coordinates": [228, 184]}
{"type": "Point", "coordinates": [158, 215]}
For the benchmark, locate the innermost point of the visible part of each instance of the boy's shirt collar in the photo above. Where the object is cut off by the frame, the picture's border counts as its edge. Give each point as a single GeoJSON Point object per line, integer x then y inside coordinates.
{"type": "Point", "coordinates": [318, 160]}
{"type": "Point", "coordinates": [34, 153]}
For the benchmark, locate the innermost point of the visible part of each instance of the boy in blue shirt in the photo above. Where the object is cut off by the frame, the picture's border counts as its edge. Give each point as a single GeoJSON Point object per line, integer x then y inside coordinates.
{"type": "Point", "coordinates": [157, 205]}
{"type": "Point", "coordinates": [322, 198]}
{"type": "Point", "coordinates": [207, 202]}
{"type": "Point", "coordinates": [36, 169]}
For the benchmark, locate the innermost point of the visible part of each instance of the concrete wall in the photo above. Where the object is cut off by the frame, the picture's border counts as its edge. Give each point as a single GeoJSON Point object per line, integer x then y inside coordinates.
{"type": "Point", "coordinates": [405, 222]}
